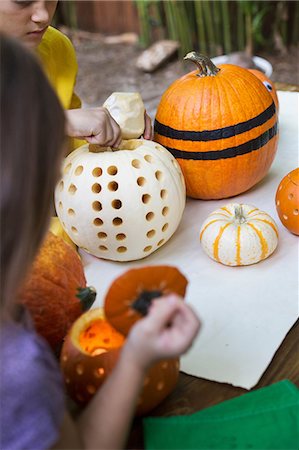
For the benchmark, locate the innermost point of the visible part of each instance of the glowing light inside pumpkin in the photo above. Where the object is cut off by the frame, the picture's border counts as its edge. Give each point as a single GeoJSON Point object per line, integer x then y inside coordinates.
{"type": "Point", "coordinates": [99, 336]}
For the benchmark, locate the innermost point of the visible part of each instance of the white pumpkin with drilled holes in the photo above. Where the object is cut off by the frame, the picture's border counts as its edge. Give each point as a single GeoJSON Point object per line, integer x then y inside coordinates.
{"type": "Point", "coordinates": [121, 204]}
{"type": "Point", "coordinates": [239, 235]}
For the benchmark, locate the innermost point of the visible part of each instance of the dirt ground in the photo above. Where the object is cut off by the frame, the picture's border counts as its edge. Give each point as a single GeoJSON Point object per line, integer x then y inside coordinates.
{"type": "Point", "coordinates": [106, 68]}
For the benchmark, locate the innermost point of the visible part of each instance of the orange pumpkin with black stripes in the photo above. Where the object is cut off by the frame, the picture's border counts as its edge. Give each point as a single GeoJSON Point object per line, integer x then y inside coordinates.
{"type": "Point", "coordinates": [221, 125]}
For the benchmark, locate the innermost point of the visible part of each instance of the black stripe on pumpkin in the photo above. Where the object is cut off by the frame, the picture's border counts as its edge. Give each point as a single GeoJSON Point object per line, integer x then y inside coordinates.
{"type": "Point", "coordinates": [213, 135]}
{"type": "Point", "coordinates": [247, 147]}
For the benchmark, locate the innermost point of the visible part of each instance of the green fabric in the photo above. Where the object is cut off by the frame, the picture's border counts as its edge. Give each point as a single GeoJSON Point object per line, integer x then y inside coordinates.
{"type": "Point", "coordinates": [267, 418]}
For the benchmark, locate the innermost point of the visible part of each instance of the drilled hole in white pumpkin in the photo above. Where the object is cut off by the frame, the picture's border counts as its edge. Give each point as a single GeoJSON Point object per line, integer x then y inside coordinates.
{"type": "Point", "coordinates": [160, 242]}
{"type": "Point", "coordinates": [116, 204]}
{"type": "Point", "coordinates": [98, 222]}
{"type": "Point", "coordinates": [121, 236]}
{"type": "Point", "coordinates": [71, 212]}
{"type": "Point", "coordinates": [141, 181]}
{"type": "Point", "coordinates": [165, 226]}
{"type": "Point", "coordinates": [150, 215]}
{"type": "Point", "coordinates": [122, 249]}
{"type": "Point", "coordinates": [72, 189]}
{"type": "Point", "coordinates": [147, 248]}
{"type": "Point", "coordinates": [285, 217]}
{"type": "Point", "coordinates": [112, 170]}
{"type": "Point", "coordinates": [151, 233]}
{"type": "Point", "coordinates": [79, 170]}
{"type": "Point", "coordinates": [165, 210]}
{"type": "Point", "coordinates": [160, 386]}
{"type": "Point", "coordinates": [97, 206]}
{"type": "Point", "coordinates": [290, 196]}
{"type": "Point", "coordinates": [96, 188]}
{"type": "Point", "coordinates": [136, 163]}
{"type": "Point", "coordinates": [102, 235]}
{"type": "Point", "coordinates": [74, 230]}
{"type": "Point", "coordinates": [67, 168]}
{"type": "Point", "coordinates": [103, 247]}
{"type": "Point", "coordinates": [158, 175]}
{"type": "Point", "coordinates": [296, 212]}
{"type": "Point", "coordinates": [79, 369]}
{"type": "Point", "coordinates": [163, 193]}
{"type": "Point", "coordinates": [146, 198]}
{"type": "Point", "coordinates": [90, 389]}
{"type": "Point", "coordinates": [117, 221]}
{"type": "Point", "coordinates": [157, 147]}
{"type": "Point", "coordinates": [61, 186]}
{"type": "Point", "coordinates": [97, 172]}
{"type": "Point", "coordinates": [113, 186]}
{"type": "Point", "coordinates": [60, 205]}
{"type": "Point", "coordinates": [148, 158]}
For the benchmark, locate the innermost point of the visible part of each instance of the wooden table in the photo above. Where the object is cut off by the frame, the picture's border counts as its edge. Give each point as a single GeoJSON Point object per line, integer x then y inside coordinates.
{"type": "Point", "coordinates": [193, 394]}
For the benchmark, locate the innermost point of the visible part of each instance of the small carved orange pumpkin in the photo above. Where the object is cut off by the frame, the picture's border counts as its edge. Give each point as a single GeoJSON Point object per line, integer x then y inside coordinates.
{"type": "Point", "coordinates": [287, 201]}
{"type": "Point", "coordinates": [55, 290]}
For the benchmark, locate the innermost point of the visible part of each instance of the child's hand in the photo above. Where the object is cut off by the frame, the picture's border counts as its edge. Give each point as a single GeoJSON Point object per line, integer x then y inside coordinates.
{"type": "Point", "coordinates": [95, 125]}
{"type": "Point", "coordinates": [167, 332]}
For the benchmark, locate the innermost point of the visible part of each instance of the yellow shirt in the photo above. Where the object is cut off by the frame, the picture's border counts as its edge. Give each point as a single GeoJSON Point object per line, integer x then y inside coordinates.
{"type": "Point", "coordinates": [59, 61]}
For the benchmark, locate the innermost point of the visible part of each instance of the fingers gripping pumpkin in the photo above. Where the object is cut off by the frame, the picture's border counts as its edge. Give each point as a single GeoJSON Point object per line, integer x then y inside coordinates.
{"type": "Point", "coordinates": [55, 290]}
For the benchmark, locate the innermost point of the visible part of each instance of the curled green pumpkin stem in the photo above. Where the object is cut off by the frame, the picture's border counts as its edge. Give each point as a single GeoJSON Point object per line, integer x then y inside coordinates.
{"type": "Point", "coordinates": [86, 296]}
{"type": "Point", "coordinates": [144, 301]}
{"type": "Point", "coordinates": [206, 67]}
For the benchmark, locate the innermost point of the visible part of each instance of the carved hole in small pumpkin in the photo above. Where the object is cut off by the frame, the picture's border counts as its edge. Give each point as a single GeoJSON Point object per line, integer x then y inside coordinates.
{"type": "Point", "coordinates": [151, 233]}
{"type": "Point", "coordinates": [117, 221]}
{"type": "Point", "coordinates": [160, 242]}
{"type": "Point", "coordinates": [90, 389]}
{"type": "Point", "coordinates": [165, 226]}
{"type": "Point", "coordinates": [67, 380]}
{"type": "Point", "coordinates": [79, 398]}
{"type": "Point", "coordinates": [278, 203]}
{"type": "Point", "coordinates": [97, 172]}
{"type": "Point", "coordinates": [146, 381]}
{"type": "Point", "coordinates": [102, 235]}
{"type": "Point", "coordinates": [67, 169]}
{"type": "Point", "coordinates": [160, 386]}
{"type": "Point", "coordinates": [146, 198]}
{"type": "Point", "coordinates": [98, 222]}
{"type": "Point", "coordinates": [112, 170]}
{"type": "Point", "coordinates": [150, 215]}
{"type": "Point", "coordinates": [121, 236]}
{"type": "Point", "coordinates": [61, 186]}
{"type": "Point", "coordinates": [116, 204]}
{"type": "Point", "coordinates": [72, 189]}
{"type": "Point", "coordinates": [79, 170]}
{"type": "Point", "coordinates": [165, 210]}
{"type": "Point", "coordinates": [96, 188]}
{"type": "Point", "coordinates": [122, 249]}
{"type": "Point", "coordinates": [74, 230]}
{"type": "Point", "coordinates": [141, 181]}
{"type": "Point", "coordinates": [164, 365]}
{"type": "Point", "coordinates": [285, 217]}
{"type": "Point", "coordinates": [113, 186]}
{"type": "Point", "coordinates": [101, 372]}
{"type": "Point", "coordinates": [147, 248]}
{"type": "Point", "coordinates": [103, 247]}
{"type": "Point", "coordinates": [60, 205]}
{"type": "Point", "coordinates": [136, 163]}
{"type": "Point", "coordinates": [290, 196]}
{"type": "Point", "coordinates": [97, 206]}
{"type": "Point", "coordinates": [64, 358]}
{"type": "Point", "coordinates": [71, 212]}
{"type": "Point", "coordinates": [280, 187]}
{"type": "Point", "coordinates": [296, 212]}
{"type": "Point", "coordinates": [79, 369]}
{"type": "Point", "coordinates": [158, 175]}
{"type": "Point", "coordinates": [148, 158]}
{"type": "Point", "coordinates": [163, 193]}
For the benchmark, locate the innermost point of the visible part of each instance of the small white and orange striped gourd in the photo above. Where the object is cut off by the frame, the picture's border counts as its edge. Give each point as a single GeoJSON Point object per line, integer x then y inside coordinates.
{"type": "Point", "coordinates": [239, 235]}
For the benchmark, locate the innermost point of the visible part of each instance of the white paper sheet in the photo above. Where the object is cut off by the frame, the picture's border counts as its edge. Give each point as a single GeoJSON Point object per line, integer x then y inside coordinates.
{"type": "Point", "coordinates": [245, 311]}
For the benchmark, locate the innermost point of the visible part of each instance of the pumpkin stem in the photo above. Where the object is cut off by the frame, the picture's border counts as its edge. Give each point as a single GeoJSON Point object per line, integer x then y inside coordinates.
{"type": "Point", "coordinates": [206, 67]}
{"type": "Point", "coordinates": [86, 296]}
{"type": "Point", "coordinates": [144, 301]}
{"type": "Point", "coordinates": [239, 214]}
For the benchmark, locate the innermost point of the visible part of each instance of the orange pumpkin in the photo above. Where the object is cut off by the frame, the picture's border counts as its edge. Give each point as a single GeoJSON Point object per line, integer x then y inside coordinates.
{"type": "Point", "coordinates": [268, 84]}
{"type": "Point", "coordinates": [131, 294]}
{"type": "Point", "coordinates": [287, 201]}
{"type": "Point", "coordinates": [221, 125]}
{"type": "Point", "coordinates": [89, 354]}
{"type": "Point", "coordinates": [55, 290]}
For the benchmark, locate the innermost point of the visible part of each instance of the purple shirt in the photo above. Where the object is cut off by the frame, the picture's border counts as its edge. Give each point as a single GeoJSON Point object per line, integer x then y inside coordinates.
{"type": "Point", "coordinates": [31, 390]}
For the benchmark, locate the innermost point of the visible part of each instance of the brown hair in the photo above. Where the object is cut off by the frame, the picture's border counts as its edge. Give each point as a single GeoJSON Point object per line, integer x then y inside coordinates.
{"type": "Point", "coordinates": [32, 133]}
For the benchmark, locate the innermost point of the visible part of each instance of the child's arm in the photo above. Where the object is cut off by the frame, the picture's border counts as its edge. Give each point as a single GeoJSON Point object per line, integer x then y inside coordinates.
{"type": "Point", "coordinates": [167, 332]}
